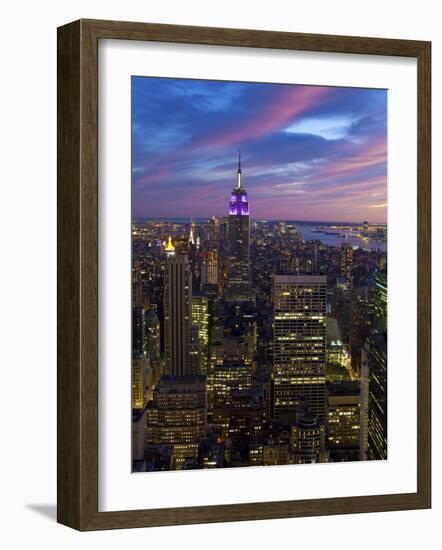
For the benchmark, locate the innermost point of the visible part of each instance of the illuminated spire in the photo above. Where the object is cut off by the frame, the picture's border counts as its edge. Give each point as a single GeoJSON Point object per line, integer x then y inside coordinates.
{"type": "Point", "coordinates": [170, 249]}
{"type": "Point", "coordinates": [239, 203]}
{"type": "Point", "coordinates": [239, 174]}
{"type": "Point", "coordinates": [191, 235]}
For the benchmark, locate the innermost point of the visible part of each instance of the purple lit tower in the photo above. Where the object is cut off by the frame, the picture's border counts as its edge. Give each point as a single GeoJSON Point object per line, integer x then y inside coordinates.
{"type": "Point", "coordinates": [238, 288]}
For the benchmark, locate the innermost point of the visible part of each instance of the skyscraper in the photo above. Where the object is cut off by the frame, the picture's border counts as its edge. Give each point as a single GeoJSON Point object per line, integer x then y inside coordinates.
{"type": "Point", "coordinates": [200, 319]}
{"type": "Point", "coordinates": [380, 306]}
{"type": "Point", "coordinates": [299, 344]}
{"type": "Point", "coordinates": [346, 260]}
{"type": "Point", "coordinates": [152, 337]}
{"type": "Point", "coordinates": [177, 415]}
{"type": "Point", "coordinates": [238, 288]}
{"type": "Point", "coordinates": [343, 420]}
{"type": "Point", "coordinates": [307, 440]}
{"type": "Point", "coordinates": [140, 366]}
{"type": "Point", "coordinates": [359, 325]}
{"type": "Point", "coordinates": [177, 312]}
{"type": "Point", "coordinates": [376, 346]}
{"type": "Point", "coordinates": [377, 396]}
{"type": "Point", "coordinates": [212, 266]}
{"type": "Point", "coordinates": [138, 331]}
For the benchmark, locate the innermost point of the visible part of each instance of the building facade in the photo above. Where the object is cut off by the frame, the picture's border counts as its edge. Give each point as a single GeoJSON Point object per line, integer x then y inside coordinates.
{"type": "Point", "coordinates": [238, 242]}
{"type": "Point", "coordinates": [299, 344]}
{"type": "Point", "coordinates": [177, 313]}
{"type": "Point", "coordinates": [177, 415]}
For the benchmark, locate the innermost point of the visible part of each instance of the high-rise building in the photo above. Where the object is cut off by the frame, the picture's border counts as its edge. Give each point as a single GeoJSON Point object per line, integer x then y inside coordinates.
{"type": "Point", "coordinates": [177, 312]}
{"type": "Point", "coordinates": [212, 266]}
{"type": "Point", "coordinates": [341, 306]}
{"type": "Point", "coordinates": [364, 377]}
{"type": "Point", "coordinates": [152, 337]}
{"type": "Point", "coordinates": [347, 261]}
{"type": "Point", "coordinates": [359, 325]}
{"type": "Point", "coordinates": [177, 415]}
{"type": "Point", "coordinates": [138, 331]}
{"type": "Point", "coordinates": [222, 380]}
{"type": "Point", "coordinates": [299, 357]}
{"type": "Point", "coordinates": [380, 306]}
{"type": "Point", "coordinates": [335, 349]}
{"type": "Point", "coordinates": [200, 319]}
{"type": "Point", "coordinates": [343, 420]}
{"type": "Point", "coordinates": [377, 396]}
{"type": "Point", "coordinates": [307, 440]}
{"type": "Point", "coordinates": [238, 287]}
{"type": "Point", "coordinates": [137, 288]}
{"type": "Point", "coordinates": [140, 368]}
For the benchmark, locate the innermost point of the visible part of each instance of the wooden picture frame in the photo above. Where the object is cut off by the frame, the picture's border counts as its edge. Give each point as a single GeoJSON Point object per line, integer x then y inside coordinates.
{"type": "Point", "coordinates": [78, 274]}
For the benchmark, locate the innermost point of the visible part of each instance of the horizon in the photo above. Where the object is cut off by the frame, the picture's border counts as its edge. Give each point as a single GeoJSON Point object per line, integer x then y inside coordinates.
{"type": "Point", "coordinates": [309, 153]}
{"type": "Point", "coordinates": [187, 219]}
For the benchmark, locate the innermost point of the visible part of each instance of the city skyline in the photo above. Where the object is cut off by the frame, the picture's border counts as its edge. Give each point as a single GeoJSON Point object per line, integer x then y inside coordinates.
{"type": "Point", "coordinates": [311, 153]}
{"type": "Point", "coordinates": [255, 342]}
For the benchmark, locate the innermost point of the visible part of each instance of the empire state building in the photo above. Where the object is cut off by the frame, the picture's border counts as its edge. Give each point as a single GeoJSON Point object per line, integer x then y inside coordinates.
{"type": "Point", "coordinates": [239, 287]}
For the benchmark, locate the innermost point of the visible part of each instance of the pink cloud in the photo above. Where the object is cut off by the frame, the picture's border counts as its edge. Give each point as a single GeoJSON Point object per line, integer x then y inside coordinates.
{"type": "Point", "coordinates": [286, 107]}
{"type": "Point", "coordinates": [154, 177]}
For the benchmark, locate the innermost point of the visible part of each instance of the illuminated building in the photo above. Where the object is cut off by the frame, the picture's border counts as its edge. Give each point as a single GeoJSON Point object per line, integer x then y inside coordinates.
{"type": "Point", "coordinates": [137, 290]}
{"type": "Point", "coordinates": [347, 261]}
{"type": "Point", "coordinates": [222, 380]}
{"type": "Point", "coordinates": [364, 378]}
{"type": "Point", "coordinates": [177, 312]}
{"type": "Point", "coordinates": [299, 344]}
{"type": "Point", "coordinates": [247, 415]}
{"type": "Point", "coordinates": [212, 266]}
{"type": "Point", "coordinates": [343, 420]}
{"type": "Point", "coordinates": [177, 415]}
{"type": "Point", "coordinates": [377, 396]}
{"type": "Point", "coordinates": [307, 440]}
{"type": "Point", "coordinates": [335, 349]}
{"type": "Point", "coordinates": [152, 337]}
{"type": "Point", "coordinates": [140, 373]}
{"type": "Point", "coordinates": [214, 227]}
{"type": "Point", "coordinates": [200, 319]}
{"type": "Point", "coordinates": [238, 288]}
{"type": "Point", "coordinates": [340, 307]}
{"type": "Point", "coordinates": [380, 306]}
{"type": "Point", "coordinates": [138, 331]}
{"type": "Point", "coordinates": [359, 325]}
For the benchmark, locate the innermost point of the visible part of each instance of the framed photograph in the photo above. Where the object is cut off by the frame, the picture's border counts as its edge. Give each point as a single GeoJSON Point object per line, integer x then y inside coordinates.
{"type": "Point", "coordinates": [243, 275]}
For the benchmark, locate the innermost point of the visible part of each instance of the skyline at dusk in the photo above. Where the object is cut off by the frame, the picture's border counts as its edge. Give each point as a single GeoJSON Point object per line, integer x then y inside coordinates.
{"type": "Point", "coordinates": [308, 152]}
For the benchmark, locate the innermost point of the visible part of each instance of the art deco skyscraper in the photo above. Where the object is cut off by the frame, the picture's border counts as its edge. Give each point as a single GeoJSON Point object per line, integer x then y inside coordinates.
{"type": "Point", "coordinates": [299, 344]}
{"type": "Point", "coordinates": [238, 287]}
{"type": "Point", "coordinates": [177, 312]}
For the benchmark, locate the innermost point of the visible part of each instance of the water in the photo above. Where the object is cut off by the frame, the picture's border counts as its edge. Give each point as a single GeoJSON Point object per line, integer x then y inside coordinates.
{"type": "Point", "coordinates": [310, 234]}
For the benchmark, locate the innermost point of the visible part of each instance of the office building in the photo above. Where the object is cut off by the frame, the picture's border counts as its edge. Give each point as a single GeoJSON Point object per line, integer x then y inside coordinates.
{"type": "Point", "coordinates": [377, 396]}
{"type": "Point", "coordinates": [347, 261]}
{"type": "Point", "coordinates": [238, 242]}
{"type": "Point", "coordinates": [177, 415]}
{"type": "Point", "coordinates": [343, 420]}
{"type": "Point", "coordinates": [299, 344]}
{"type": "Point", "coordinates": [177, 312]}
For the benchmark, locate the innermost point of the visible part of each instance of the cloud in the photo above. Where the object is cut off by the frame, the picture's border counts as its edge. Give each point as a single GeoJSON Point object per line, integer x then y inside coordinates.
{"type": "Point", "coordinates": [308, 152]}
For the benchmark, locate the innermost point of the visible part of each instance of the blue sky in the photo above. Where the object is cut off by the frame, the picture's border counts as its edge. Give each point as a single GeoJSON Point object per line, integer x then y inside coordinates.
{"type": "Point", "coordinates": [308, 152]}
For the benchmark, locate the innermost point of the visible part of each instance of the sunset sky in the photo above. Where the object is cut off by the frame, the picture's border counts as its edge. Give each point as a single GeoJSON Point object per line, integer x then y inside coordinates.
{"type": "Point", "coordinates": [308, 152]}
